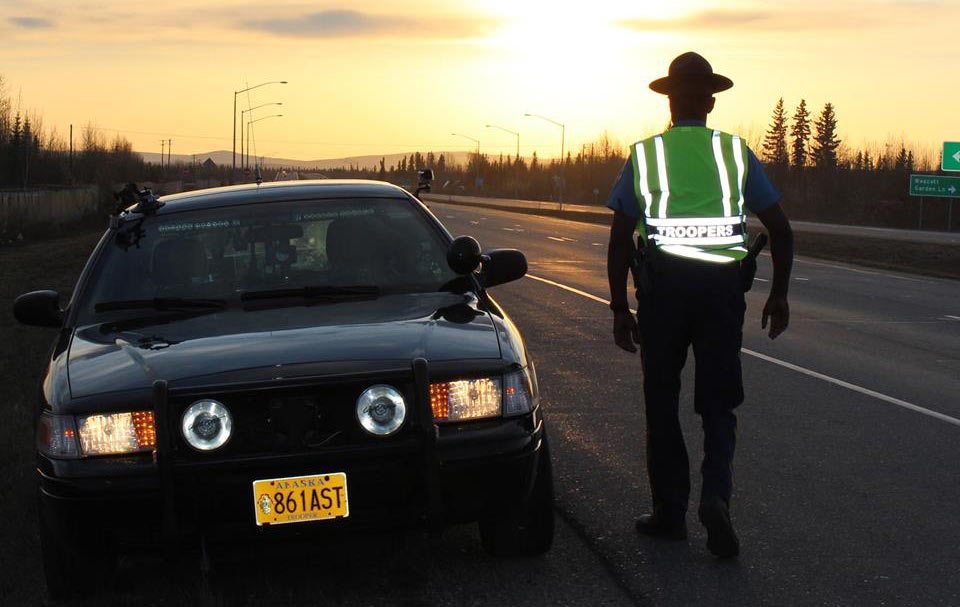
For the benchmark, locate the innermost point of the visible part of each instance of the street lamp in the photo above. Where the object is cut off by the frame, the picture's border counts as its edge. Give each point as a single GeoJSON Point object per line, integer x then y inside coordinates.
{"type": "Point", "coordinates": [257, 120]}
{"type": "Point", "coordinates": [516, 188]}
{"type": "Point", "coordinates": [477, 141]}
{"type": "Point", "coordinates": [563, 136]}
{"type": "Point", "coordinates": [243, 162]}
{"type": "Point", "coordinates": [233, 165]}
{"type": "Point", "coordinates": [494, 126]}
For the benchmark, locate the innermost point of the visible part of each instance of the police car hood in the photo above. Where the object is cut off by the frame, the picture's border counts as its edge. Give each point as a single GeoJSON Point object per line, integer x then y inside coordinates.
{"type": "Point", "coordinates": [236, 343]}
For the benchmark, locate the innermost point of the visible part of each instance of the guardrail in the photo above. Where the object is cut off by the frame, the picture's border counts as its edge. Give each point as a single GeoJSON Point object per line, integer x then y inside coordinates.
{"type": "Point", "coordinates": [601, 214]}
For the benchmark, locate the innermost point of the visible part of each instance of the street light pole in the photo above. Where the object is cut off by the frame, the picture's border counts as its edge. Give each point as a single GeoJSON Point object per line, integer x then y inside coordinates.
{"type": "Point", "coordinates": [477, 141]}
{"type": "Point", "coordinates": [516, 186]}
{"type": "Point", "coordinates": [243, 161]}
{"type": "Point", "coordinates": [248, 132]}
{"type": "Point", "coordinates": [233, 164]}
{"type": "Point", "coordinates": [563, 136]}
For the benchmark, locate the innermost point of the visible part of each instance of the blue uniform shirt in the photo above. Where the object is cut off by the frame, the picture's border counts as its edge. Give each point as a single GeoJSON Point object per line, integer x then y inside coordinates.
{"type": "Point", "coordinates": [759, 194]}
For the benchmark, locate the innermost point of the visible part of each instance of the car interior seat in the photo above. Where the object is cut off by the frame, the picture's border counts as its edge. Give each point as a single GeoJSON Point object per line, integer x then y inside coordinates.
{"type": "Point", "coordinates": [178, 263]}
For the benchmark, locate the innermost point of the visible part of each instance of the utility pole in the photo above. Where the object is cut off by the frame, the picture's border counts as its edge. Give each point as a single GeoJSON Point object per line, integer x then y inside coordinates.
{"type": "Point", "coordinates": [163, 143]}
{"type": "Point", "coordinates": [169, 145]}
{"type": "Point", "coordinates": [71, 153]}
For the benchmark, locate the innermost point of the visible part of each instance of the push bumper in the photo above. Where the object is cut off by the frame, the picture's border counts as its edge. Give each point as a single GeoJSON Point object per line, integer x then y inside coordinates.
{"type": "Point", "coordinates": [440, 475]}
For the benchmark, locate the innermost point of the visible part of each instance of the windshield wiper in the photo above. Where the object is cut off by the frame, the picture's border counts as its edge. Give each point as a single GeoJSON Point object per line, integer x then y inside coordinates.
{"type": "Point", "coordinates": [160, 303]}
{"type": "Point", "coordinates": [315, 292]}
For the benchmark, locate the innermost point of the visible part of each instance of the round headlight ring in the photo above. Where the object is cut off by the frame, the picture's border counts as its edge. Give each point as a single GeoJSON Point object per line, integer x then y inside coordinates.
{"type": "Point", "coordinates": [381, 410]}
{"type": "Point", "coordinates": [206, 425]}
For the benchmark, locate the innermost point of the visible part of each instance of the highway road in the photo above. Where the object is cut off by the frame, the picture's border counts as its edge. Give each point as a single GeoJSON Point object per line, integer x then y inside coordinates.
{"type": "Point", "coordinates": [847, 485]}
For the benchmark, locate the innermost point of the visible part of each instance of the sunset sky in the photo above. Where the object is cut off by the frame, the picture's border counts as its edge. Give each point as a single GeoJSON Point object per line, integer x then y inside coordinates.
{"type": "Point", "coordinates": [384, 76]}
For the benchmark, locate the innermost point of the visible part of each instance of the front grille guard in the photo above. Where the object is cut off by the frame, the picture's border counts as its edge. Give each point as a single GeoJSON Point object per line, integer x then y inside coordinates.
{"type": "Point", "coordinates": [427, 430]}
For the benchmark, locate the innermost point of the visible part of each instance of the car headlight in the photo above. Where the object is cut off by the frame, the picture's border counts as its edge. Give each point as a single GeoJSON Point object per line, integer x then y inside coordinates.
{"type": "Point", "coordinates": [512, 394]}
{"type": "Point", "coordinates": [114, 433]}
{"type": "Point", "coordinates": [381, 410]}
{"type": "Point", "coordinates": [206, 425]}
{"type": "Point", "coordinates": [466, 399]}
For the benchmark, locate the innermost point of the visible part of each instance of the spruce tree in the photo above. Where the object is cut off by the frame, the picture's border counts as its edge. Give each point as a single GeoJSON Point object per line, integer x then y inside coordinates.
{"type": "Point", "coordinates": [800, 131]}
{"type": "Point", "coordinates": [825, 141]}
{"type": "Point", "coordinates": [775, 142]}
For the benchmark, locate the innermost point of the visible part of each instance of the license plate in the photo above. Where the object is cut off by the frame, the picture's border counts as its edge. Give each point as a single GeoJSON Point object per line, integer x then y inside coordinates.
{"type": "Point", "coordinates": [298, 499]}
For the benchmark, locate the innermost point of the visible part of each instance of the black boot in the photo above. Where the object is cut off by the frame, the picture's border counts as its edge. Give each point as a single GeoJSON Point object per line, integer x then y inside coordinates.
{"type": "Point", "coordinates": [657, 525]}
{"type": "Point", "coordinates": [721, 539]}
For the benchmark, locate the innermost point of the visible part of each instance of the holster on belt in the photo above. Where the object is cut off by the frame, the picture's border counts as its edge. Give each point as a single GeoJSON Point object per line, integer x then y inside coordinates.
{"type": "Point", "coordinates": [748, 265]}
{"type": "Point", "coordinates": [641, 269]}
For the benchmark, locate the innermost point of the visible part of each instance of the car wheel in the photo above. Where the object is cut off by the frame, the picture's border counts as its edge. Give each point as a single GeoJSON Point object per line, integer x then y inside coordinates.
{"type": "Point", "coordinates": [75, 562]}
{"type": "Point", "coordinates": [528, 531]}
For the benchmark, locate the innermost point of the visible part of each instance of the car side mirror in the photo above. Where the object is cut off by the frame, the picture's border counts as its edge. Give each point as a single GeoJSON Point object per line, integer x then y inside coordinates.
{"type": "Point", "coordinates": [38, 308]}
{"type": "Point", "coordinates": [463, 256]}
{"type": "Point", "coordinates": [501, 266]}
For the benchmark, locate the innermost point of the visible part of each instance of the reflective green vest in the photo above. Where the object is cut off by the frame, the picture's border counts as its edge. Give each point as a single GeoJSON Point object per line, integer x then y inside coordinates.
{"type": "Point", "coordinates": [689, 182]}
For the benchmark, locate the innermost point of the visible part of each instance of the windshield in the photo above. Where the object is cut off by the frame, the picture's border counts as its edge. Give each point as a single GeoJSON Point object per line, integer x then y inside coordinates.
{"type": "Point", "coordinates": [383, 245]}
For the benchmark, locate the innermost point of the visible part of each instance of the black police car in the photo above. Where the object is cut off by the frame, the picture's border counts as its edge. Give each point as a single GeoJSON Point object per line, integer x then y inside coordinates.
{"type": "Point", "coordinates": [262, 361]}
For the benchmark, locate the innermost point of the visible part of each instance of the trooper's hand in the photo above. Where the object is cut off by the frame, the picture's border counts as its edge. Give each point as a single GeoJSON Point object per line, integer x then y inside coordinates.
{"type": "Point", "coordinates": [626, 333]}
{"type": "Point", "coordinates": [778, 311]}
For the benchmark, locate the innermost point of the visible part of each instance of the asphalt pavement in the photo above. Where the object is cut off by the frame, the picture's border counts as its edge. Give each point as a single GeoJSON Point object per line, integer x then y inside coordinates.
{"type": "Point", "coordinates": [846, 470]}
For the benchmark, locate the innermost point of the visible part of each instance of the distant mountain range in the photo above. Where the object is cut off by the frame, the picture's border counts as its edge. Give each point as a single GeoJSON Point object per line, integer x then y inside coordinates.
{"type": "Point", "coordinates": [224, 158]}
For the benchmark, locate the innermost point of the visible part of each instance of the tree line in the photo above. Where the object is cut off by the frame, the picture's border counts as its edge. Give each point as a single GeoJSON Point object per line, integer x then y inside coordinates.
{"type": "Point", "coordinates": [32, 156]}
{"type": "Point", "coordinates": [822, 177]}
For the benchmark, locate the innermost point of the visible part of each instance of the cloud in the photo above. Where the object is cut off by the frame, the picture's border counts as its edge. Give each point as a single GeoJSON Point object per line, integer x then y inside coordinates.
{"type": "Point", "coordinates": [327, 24]}
{"type": "Point", "coordinates": [340, 23]}
{"type": "Point", "coordinates": [746, 21]}
{"type": "Point", "coordinates": [31, 23]}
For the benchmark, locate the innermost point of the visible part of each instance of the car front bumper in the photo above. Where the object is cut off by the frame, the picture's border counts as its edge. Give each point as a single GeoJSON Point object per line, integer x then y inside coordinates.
{"type": "Point", "coordinates": [479, 469]}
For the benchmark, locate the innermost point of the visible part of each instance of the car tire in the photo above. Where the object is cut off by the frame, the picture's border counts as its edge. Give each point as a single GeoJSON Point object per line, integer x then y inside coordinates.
{"type": "Point", "coordinates": [528, 531]}
{"type": "Point", "coordinates": [76, 562]}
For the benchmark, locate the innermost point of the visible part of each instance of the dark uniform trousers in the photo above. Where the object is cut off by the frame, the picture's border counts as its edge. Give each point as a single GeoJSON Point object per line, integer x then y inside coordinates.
{"type": "Point", "coordinates": [701, 304]}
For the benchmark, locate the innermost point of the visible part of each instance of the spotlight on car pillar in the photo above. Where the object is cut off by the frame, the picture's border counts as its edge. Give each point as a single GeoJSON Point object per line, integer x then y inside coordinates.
{"type": "Point", "coordinates": [464, 256]}
{"type": "Point", "coordinates": [206, 425]}
{"type": "Point", "coordinates": [381, 410]}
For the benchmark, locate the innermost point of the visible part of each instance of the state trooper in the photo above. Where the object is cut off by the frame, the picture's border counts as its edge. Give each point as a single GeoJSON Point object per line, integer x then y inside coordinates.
{"type": "Point", "coordinates": [685, 193]}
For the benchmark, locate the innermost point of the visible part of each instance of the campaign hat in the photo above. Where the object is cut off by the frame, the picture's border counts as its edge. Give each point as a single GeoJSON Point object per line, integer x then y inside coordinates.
{"type": "Point", "coordinates": [688, 73]}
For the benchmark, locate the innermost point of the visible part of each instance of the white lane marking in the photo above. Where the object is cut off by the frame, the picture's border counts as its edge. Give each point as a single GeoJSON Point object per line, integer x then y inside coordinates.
{"type": "Point", "coordinates": [761, 279]}
{"type": "Point", "coordinates": [857, 270]}
{"type": "Point", "coordinates": [571, 289]}
{"type": "Point", "coordinates": [951, 317]}
{"type": "Point", "coordinates": [476, 223]}
{"type": "Point", "coordinates": [856, 388]}
{"type": "Point", "coordinates": [791, 366]}
{"type": "Point", "coordinates": [803, 279]}
{"type": "Point", "coordinates": [555, 238]}
{"type": "Point", "coordinates": [570, 239]}
{"type": "Point", "coordinates": [597, 244]}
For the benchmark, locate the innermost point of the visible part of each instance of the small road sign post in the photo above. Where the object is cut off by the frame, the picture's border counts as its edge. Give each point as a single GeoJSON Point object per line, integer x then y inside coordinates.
{"type": "Point", "coordinates": [937, 186]}
{"type": "Point", "coordinates": [950, 160]}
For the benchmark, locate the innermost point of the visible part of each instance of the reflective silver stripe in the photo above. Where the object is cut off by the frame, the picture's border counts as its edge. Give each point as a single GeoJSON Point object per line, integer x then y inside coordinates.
{"type": "Point", "coordinates": [738, 158]}
{"type": "Point", "coordinates": [698, 240]}
{"type": "Point", "coordinates": [642, 170]}
{"type": "Point", "coordinates": [662, 172]}
{"type": "Point", "coordinates": [693, 253]}
{"type": "Point", "coordinates": [694, 221]}
{"type": "Point", "coordinates": [722, 171]}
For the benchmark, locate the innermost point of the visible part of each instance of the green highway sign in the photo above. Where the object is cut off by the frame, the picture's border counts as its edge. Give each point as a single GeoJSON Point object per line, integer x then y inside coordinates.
{"type": "Point", "coordinates": [951, 156]}
{"type": "Point", "coordinates": [935, 185]}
